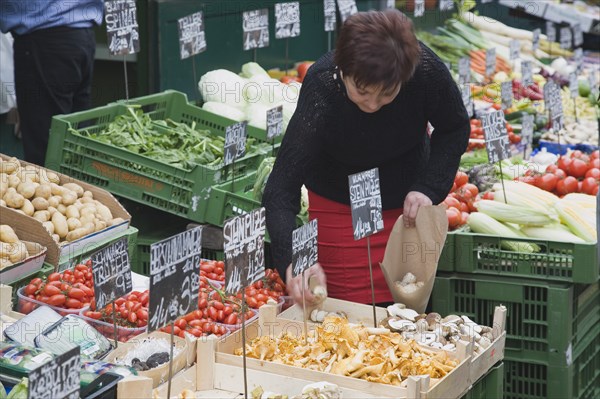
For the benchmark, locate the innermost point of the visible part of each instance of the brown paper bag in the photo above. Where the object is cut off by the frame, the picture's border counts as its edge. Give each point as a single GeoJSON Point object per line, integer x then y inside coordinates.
{"type": "Point", "coordinates": [416, 250]}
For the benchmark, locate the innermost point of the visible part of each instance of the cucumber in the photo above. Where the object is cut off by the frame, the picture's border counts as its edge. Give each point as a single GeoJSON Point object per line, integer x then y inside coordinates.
{"type": "Point", "coordinates": [514, 116]}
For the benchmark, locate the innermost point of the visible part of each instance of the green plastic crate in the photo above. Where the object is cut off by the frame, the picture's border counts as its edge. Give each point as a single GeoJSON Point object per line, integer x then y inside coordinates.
{"type": "Point", "coordinates": [137, 177]}
{"type": "Point", "coordinates": [490, 386]}
{"type": "Point", "coordinates": [556, 261]}
{"type": "Point", "coordinates": [447, 257]}
{"type": "Point", "coordinates": [23, 281]}
{"type": "Point", "coordinates": [530, 379]}
{"type": "Point", "coordinates": [544, 320]}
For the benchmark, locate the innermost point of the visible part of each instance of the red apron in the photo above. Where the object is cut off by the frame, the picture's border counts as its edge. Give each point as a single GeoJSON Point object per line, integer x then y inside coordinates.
{"type": "Point", "coordinates": [344, 260]}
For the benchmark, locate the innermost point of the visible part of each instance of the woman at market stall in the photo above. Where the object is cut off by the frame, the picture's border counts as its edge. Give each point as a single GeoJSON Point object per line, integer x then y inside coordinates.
{"type": "Point", "coordinates": [365, 105]}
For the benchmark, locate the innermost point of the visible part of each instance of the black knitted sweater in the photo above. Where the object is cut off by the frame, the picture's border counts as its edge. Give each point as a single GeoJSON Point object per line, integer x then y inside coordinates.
{"type": "Point", "coordinates": [329, 138]}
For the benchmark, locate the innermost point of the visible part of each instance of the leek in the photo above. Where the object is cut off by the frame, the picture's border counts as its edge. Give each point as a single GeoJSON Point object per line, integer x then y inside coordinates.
{"type": "Point", "coordinates": [514, 214]}
{"type": "Point", "coordinates": [484, 224]}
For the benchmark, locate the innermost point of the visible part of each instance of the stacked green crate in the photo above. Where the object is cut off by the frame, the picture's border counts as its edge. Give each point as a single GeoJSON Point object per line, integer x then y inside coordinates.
{"type": "Point", "coordinates": [490, 386]}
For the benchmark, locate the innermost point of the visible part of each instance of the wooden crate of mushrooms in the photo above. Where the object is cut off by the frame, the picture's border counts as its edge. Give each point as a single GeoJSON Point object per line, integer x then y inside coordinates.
{"type": "Point", "coordinates": [358, 358]}
{"type": "Point", "coordinates": [429, 330]}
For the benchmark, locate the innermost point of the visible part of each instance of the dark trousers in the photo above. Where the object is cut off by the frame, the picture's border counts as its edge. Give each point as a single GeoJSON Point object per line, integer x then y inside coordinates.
{"type": "Point", "coordinates": [53, 75]}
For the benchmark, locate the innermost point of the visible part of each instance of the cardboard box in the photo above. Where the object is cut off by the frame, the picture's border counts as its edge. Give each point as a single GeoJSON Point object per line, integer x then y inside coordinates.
{"type": "Point", "coordinates": [33, 263]}
{"type": "Point", "coordinates": [29, 229]}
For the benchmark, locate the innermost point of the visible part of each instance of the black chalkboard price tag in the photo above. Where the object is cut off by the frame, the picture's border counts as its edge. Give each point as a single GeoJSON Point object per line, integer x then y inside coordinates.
{"type": "Point", "coordinates": [527, 132]}
{"type": "Point", "coordinates": [347, 8]}
{"type": "Point", "coordinates": [244, 247]}
{"type": "Point", "coordinates": [365, 203]}
{"type": "Point", "coordinates": [496, 136]}
{"type": "Point", "coordinates": [535, 44]}
{"type": "Point", "coordinates": [287, 20]}
{"type": "Point", "coordinates": [566, 37]}
{"type": "Point", "coordinates": [192, 39]}
{"type": "Point", "coordinates": [174, 277]}
{"type": "Point", "coordinates": [490, 61]}
{"type": "Point", "coordinates": [122, 30]}
{"type": "Point", "coordinates": [255, 26]}
{"type": "Point", "coordinates": [58, 378]}
{"type": "Point", "coordinates": [577, 35]}
{"type": "Point", "coordinates": [419, 8]}
{"type": "Point", "coordinates": [550, 31]}
{"type": "Point", "coordinates": [465, 92]}
{"type": "Point", "coordinates": [274, 122]}
{"type": "Point", "coordinates": [464, 70]}
{"type": "Point", "coordinates": [304, 247]}
{"type": "Point", "coordinates": [514, 49]}
{"type": "Point", "coordinates": [526, 73]}
{"type": "Point", "coordinates": [112, 273]}
{"type": "Point", "coordinates": [329, 14]}
{"type": "Point", "coordinates": [235, 142]}
{"type": "Point", "coordinates": [506, 94]}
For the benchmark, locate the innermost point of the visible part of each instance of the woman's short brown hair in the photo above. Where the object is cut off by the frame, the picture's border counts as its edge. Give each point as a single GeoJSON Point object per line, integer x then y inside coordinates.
{"type": "Point", "coordinates": [378, 49]}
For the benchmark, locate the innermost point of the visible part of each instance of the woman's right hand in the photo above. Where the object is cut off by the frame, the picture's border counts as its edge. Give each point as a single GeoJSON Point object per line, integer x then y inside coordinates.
{"type": "Point", "coordinates": [294, 284]}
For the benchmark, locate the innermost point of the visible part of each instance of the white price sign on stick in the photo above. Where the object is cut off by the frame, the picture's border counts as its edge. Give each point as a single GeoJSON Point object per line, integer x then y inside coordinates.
{"type": "Point", "coordinates": [419, 8]}
{"type": "Point", "coordinates": [287, 20]}
{"type": "Point", "coordinates": [536, 39]}
{"type": "Point", "coordinates": [490, 61]}
{"type": "Point", "coordinates": [329, 13]}
{"type": "Point", "coordinates": [550, 31]}
{"type": "Point", "coordinates": [515, 49]}
{"type": "Point", "coordinates": [255, 26]}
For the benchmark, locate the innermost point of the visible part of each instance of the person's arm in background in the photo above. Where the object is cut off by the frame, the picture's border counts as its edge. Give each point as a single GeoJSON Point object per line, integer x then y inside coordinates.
{"type": "Point", "coordinates": [293, 165]}
{"type": "Point", "coordinates": [447, 113]}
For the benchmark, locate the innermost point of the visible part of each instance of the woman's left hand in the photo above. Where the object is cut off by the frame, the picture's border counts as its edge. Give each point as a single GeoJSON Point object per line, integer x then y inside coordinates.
{"type": "Point", "coordinates": [413, 201]}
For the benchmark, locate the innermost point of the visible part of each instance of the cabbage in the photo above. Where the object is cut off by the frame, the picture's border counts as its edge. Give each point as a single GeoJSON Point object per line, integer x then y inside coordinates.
{"type": "Point", "coordinates": [224, 110]}
{"type": "Point", "coordinates": [224, 87]}
{"type": "Point", "coordinates": [251, 69]}
{"type": "Point", "coordinates": [256, 115]}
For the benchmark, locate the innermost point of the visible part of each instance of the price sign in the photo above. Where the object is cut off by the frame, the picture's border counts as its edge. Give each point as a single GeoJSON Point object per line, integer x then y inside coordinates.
{"type": "Point", "coordinates": [419, 8]}
{"type": "Point", "coordinates": [112, 273]}
{"type": "Point", "coordinates": [235, 142]}
{"type": "Point", "coordinates": [446, 5]}
{"type": "Point", "coordinates": [191, 35]}
{"type": "Point", "coordinates": [578, 56]}
{"type": "Point", "coordinates": [573, 85]}
{"type": "Point", "coordinates": [304, 247]}
{"type": "Point", "coordinates": [365, 203]}
{"type": "Point", "coordinates": [566, 38]}
{"type": "Point", "coordinates": [464, 70]}
{"type": "Point", "coordinates": [526, 73]}
{"type": "Point", "coordinates": [490, 61]}
{"type": "Point", "coordinates": [467, 99]}
{"type": "Point", "coordinates": [347, 8]}
{"type": "Point", "coordinates": [274, 122]}
{"type": "Point", "coordinates": [515, 49]}
{"type": "Point", "coordinates": [390, 4]}
{"type": "Point", "coordinates": [527, 131]}
{"type": "Point", "coordinates": [174, 277]}
{"type": "Point", "coordinates": [536, 39]}
{"type": "Point", "coordinates": [244, 247]}
{"type": "Point", "coordinates": [330, 15]}
{"type": "Point", "coordinates": [550, 31]}
{"type": "Point", "coordinates": [506, 94]}
{"type": "Point", "coordinates": [122, 30]}
{"type": "Point", "coordinates": [553, 103]}
{"type": "Point", "coordinates": [287, 20]}
{"type": "Point", "coordinates": [496, 136]}
{"type": "Point", "coordinates": [58, 378]}
{"type": "Point", "coordinates": [255, 25]}
{"type": "Point", "coordinates": [577, 35]}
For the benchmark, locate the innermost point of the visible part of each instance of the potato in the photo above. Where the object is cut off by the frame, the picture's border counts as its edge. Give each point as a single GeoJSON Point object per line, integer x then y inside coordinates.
{"type": "Point", "coordinates": [87, 200]}
{"type": "Point", "coordinates": [5, 249]}
{"type": "Point", "coordinates": [26, 175]}
{"type": "Point", "coordinates": [99, 225]}
{"type": "Point", "coordinates": [78, 205]}
{"type": "Point", "coordinates": [69, 197]}
{"type": "Point", "coordinates": [116, 221]}
{"type": "Point", "coordinates": [55, 201]}
{"type": "Point", "coordinates": [40, 203]}
{"type": "Point", "coordinates": [13, 199]}
{"type": "Point", "coordinates": [3, 184]}
{"type": "Point", "coordinates": [73, 223]}
{"type": "Point", "coordinates": [49, 226]}
{"type": "Point", "coordinates": [18, 253]}
{"type": "Point", "coordinates": [9, 166]}
{"type": "Point", "coordinates": [72, 212]}
{"type": "Point", "coordinates": [43, 191]}
{"type": "Point", "coordinates": [104, 212]}
{"type": "Point", "coordinates": [7, 234]}
{"type": "Point", "coordinates": [56, 189]}
{"type": "Point", "coordinates": [88, 218]}
{"type": "Point", "coordinates": [62, 209]}
{"type": "Point", "coordinates": [42, 216]}
{"type": "Point", "coordinates": [28, 208]}
{"type": "Point", "coordinates": [4, 262]}
{"type": "Point", "coordinates": [47, 176]}
{"type": "Point", "coordinates": [2, 202]}
{"type": "Point", "coordinates": [60, 224]}
{"type": "Point", "coordinates": [88, 194]}
{"type": "Point", "coordinates": [27, 189]}
{"type": "Point", "coordinates": [56, 238]}
{"type": "Point", "coordinates": [13, 181]}
{"type": "Point", "coordinates": [88, 210]}
{"type": "Point", "coordinates": [76, 234]}
{"type": "Point", "coordinates": [76, 188]}
{"type": "Point", "coordinates": [89, 227]}
{"type": "Point", "coordinates": [52, 209]}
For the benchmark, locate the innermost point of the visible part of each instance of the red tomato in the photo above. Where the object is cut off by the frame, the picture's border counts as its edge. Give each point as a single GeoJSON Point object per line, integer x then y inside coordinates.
{"type": "Point", "coordinates": [454, 217]}
{"type": "Point", "coordinates": [564, 162]}
{"type": "Point", "coordinates": [489, 195]}
{"type": "Point", "coordinates": [93, 315]}
{"type": "Point", "coordinates": [595, 163]}
{"type": "Point", "coordinates": [464, 194]}
{"type": "Point", "coordinates": [26, 307]}
{"type": "Point", "coordinates": [551, 168]}
{"type": "Point", "coordinates": [73, 303]}
{"type": "Point", "coordinates": [30, 289]}
{"type": "Point", "coordinates": [218, 305]}
{"type": "Point", "coordinates": [595, 155]}
{"type": "Point", "coordinates": [303, 69]}
{"type": "Point", "coordinates": [589, 185]}
{"type": "Point", "coordinates": [57, 300]}
{"type": "Point", "coordinates": [54, 276]}
{"type": "Point", "coordinates": [231, 319]}
{"type": "Point", "coordinates": [252, 302]}
{"type": "Point", "coordinates": [195, 332]}
{"type": "Point", "coordinates": [464, 207]}
{"type": "Point", "coordinates": [547, 182]}
{"type": "Point", "coordinates": [561, 174]}
{"type": "Point", "coordinates": [461, 178]}
{"type": "Point", "coordinates": [463, 218]}
{"type": "Point", "coordinates": [566, 186]}
{"type": "Point", "coordinates": [577, 168]}
{"type": "Point", "coordinates": [593, 172]}
{"type": "Point", "coordinates": [452, 202]}
{"type": "Point", "coordinates": [76, 293]}
{"type": "Point", "coordinates": [36, 281]}
{"type": "Point", "coordinates": [51, 290]}
{"type": "Point", "coordinates": [133, 317]}
{"type": "Point", "coordinates": [288, 79]}
{"type": "Point", "coordinates": [212, 313]}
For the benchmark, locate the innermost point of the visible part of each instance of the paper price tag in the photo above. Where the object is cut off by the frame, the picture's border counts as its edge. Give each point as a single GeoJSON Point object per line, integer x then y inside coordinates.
{"type": "Point", "coordinates": [419, 8]}
{"type": "Point", "coordinates": [573, 85]}
{"type": "Point", "coordinates": [365, 203]}
{"type": "Point", "coordinates": [58, 378]}
{"type": "Point", "coordinates": [174, 277]}
{"type": "Point", "coordinates": [550, 31]}
{"type": "Point", "coordinates": [304, 247]}
{"type": "Point", "coordinates": [122, 29]}
{"type": "Point", "coordinates": [526, 73]}
{"type": "Point", "coordinates": [527, 131]}
{"type": "Point", "coordinates": [192, 40]}
{"type": "Point", "coordinates": [506, 94]}
{"type": "Point", "coordinates": [287, 20]}
{"type": "Point", "coordinates": [235, 142]}
{"type": "Point", "coordinates": [274, 122]}
{"type": "Point", "coordinates": [566, 38]}
{"type": "Point", "coordinates": [446, 5]}
{"type": "Point", "coordinates": [515, 49]}
{"type": "Point", "coordinates": [496, 136]}
{"type": "Point", "coordinates": [244, 247]}
{"type": "Point", "coordinates": [465, 92]}
{"type": "Point", "coordinates": [536, 39]}
{"type": "Point", "coordinates": [329, 14]}
{"type": "Point", "coordinates": [490, 61]}
{"type": "Point", "coordinates": [577, 35]}
{"type": "Point", "coordinates": [390, 4]}
{"type": "Point", "coordinates": [347, 8]}
{"type": "Point", "coordinates": [112, 273]}
{"type": "Point", "coordinates": [464, 70]}
{"type": "Point", "coordinates": [255, 26]}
